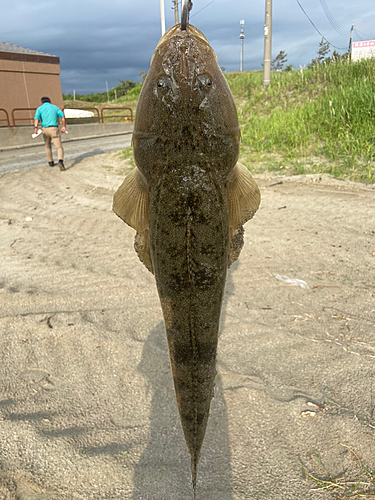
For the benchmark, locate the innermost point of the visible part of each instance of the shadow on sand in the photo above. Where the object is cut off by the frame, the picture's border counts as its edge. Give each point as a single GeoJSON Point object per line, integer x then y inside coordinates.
{"type": "Point", "coordinates": [164, 468]}
{"type": "Point", "coordinates": [78, 159]}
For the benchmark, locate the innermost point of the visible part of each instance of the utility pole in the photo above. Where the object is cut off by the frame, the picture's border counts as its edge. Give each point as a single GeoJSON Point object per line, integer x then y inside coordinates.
{"type": "Point", "coordinates": [242, 37]}
{"type": "Point", "coordinates": [350, 43]}
{"type": "Point", "coordinates": [267, 44]}
{"type": "Point", "coordinates": [162, 17]}
{"type": "Point", "coordinates": [106, 86]}
{"type": "Point", "coordinates": [175, 11]}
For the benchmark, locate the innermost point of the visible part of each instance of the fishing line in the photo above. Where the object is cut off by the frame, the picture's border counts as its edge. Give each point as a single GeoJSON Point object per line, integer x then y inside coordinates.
{"type": "Point", "coordinates": [209, 3]}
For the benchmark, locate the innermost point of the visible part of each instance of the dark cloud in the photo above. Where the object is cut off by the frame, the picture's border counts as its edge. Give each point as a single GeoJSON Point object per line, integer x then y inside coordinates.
{"type": "Point", "coordinates": [100, 42]}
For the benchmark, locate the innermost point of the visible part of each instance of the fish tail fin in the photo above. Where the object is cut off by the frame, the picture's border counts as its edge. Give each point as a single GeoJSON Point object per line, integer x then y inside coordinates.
{"type": "Point", "coordinates": [194, 465]}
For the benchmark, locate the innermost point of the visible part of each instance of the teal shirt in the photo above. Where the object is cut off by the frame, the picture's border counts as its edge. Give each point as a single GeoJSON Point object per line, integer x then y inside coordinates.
{"type": "Point", "coordinates": [47, 114]}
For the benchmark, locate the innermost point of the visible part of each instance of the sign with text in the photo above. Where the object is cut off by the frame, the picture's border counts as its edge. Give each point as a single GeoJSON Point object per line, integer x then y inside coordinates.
{"type": "Point", "coordinates": [363, 50]}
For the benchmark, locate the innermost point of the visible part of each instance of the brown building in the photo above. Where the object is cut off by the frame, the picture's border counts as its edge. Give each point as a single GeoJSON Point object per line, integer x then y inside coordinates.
{"type": "Point", "coordinates": [25, 77]}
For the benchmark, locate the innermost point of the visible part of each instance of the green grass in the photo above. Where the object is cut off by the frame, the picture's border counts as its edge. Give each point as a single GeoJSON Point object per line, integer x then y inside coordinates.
{"type": "Point", "coordinates": [361, 484]}
{"type": "Point", "coordinates": [132, 95]}
{"type": "Point", "coordinates": [127, 154]}
{"type": "Point", "coordinates": [320, 119]}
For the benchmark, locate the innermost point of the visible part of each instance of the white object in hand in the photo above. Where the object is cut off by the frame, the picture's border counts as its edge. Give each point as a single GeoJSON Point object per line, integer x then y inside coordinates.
{"type": "Point", "coordinates": [36, 135]}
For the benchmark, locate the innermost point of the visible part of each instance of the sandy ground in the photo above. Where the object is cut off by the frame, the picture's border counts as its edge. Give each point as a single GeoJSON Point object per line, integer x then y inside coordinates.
{"type": "Point", "coordinates": [87, 408]}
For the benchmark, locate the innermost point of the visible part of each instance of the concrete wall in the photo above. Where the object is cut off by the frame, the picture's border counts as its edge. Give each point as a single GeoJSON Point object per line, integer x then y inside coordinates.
{"type": "Point", "coordinates": [24, 83]}
{"type": "Point", "coordinates": [20, 137]}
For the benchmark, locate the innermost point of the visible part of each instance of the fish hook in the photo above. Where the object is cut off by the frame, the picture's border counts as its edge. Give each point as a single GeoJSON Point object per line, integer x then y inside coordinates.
{"type": "Point", "coordinates": [187, 5]}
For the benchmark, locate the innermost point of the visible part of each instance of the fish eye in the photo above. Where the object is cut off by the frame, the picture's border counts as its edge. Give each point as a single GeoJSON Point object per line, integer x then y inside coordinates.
{"type": "Point", "coordinates": [204, 82]}
{"type": "Point", "coordinates": [163, 83]}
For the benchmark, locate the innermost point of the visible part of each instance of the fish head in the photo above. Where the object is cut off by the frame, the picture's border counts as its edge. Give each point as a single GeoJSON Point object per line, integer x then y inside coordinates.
{"type": "Point", "coordinates": [185, 110]}
{"type": "Point", "coordinates": [185, 71]}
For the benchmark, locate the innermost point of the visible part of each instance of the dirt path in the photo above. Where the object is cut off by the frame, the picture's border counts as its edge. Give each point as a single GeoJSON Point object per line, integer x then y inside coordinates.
{"type": "Point", "coordinates": [87, 408]}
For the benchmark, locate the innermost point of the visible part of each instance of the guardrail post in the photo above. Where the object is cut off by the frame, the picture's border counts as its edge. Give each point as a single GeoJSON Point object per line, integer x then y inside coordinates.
{"type": "Point", "coordinates": [22, 109]}
{"type": "Point", "coordinates": [7, 116]}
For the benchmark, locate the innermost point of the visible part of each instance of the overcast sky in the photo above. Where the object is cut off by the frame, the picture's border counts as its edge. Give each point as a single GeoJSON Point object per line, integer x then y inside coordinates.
{"type": "Point", "coordinates": [102, 41]}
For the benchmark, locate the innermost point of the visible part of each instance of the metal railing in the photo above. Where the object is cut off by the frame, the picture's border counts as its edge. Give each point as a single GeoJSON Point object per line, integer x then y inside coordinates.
{"type": "Point", "coordinates": [5, 119]}
{"type": "Point", "coordinates": [28, 119]}
{"type": "Point", "coordinates": [100, 115]}
{"type": "Point", "coordinates": [129, 115]}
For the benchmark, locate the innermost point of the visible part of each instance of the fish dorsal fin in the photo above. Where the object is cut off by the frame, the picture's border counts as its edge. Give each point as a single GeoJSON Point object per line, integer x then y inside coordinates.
{"type": "Point", "coordinates": [131, 201]}
{"type": "Point", "coordinates": [132, 204]}
{"type": "Point", "coordinates": [243, 201]}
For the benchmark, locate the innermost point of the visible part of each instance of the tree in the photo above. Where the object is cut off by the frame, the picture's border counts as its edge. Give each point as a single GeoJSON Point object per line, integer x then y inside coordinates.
{"type": "Point", "coordinates": [278, 63]}
{"type": "Point", "coordinates": [126, 85]}
{"type": "Point", "coordinates": [336, 56]}
{"type": "Point", "coordinates": [322, 52]}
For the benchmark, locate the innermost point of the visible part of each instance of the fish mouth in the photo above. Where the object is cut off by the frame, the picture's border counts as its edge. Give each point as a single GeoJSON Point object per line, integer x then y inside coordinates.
{"type": "Point", "coordinates": [178, 39]}
{"type": "Point", "coordinates": [177, 29]}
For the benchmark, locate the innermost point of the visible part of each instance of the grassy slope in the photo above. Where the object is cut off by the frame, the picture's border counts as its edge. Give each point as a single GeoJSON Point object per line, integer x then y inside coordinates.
{"type": "Point", "coordinates": [311, 121]}
{"type": "Point", "coordinates": [127, 101]}
{"type": "Point", "coordinates": [317, 120]}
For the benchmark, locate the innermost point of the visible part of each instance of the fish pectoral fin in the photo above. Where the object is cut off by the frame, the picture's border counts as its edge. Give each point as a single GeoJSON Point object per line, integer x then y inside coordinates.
{"type": "Point", "coordinates": [243, 196]}
{"type": "Point", "coordinates": [243, 201]}
{"type": "Point", "coordinates": [131, 201]}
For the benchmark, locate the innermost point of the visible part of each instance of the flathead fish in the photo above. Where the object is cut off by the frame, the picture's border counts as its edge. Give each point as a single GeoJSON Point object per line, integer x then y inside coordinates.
{"type": "Point", "coordinates": [188, 200]}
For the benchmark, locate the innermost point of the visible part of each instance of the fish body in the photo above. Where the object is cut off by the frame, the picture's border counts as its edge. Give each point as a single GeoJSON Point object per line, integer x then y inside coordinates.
{"type": "Point", "coordinates": [187, 200]}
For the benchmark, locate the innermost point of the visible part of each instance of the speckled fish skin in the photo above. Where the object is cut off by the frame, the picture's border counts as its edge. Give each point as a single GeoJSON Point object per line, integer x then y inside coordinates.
{"type": "Point", "coordinates": [188, 202]}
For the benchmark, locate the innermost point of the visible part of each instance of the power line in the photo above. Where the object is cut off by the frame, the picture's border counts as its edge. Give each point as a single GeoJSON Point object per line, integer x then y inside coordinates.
{"type": "Point", "coordinates": [331, 19]}
{"type": "Point", "coordinates": [324, 38]}
{"type": "Point", "coordinates": [364, 34]}
{"type": "Point", "coordinates": [358, 35]}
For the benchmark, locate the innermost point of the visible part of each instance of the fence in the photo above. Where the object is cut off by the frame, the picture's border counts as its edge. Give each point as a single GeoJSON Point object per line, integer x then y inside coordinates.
{"type": "Point", "coordinates": [128, 116]}
{"type": "Point", "coordinates": [5, 119]}
{"type": "Point", "coordinates": [27, 120]}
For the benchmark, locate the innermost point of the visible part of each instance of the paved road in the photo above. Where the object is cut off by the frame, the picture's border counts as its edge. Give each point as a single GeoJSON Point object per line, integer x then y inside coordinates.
{"type": "Point", "coordinates": [20, 159]}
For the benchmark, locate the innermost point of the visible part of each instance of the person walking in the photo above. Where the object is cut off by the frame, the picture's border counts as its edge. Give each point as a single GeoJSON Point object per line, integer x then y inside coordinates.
{"type": "Point", "coordinates": [48, 115]}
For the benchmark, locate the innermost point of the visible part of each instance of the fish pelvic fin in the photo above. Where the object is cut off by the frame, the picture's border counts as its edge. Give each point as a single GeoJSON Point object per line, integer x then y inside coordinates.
{"type": "Point", "coordinates": [142, 247]}
{"type": "Point", "coordinates": [131, 203]}
{"type": "Point", "coordinates": [243, 201]}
